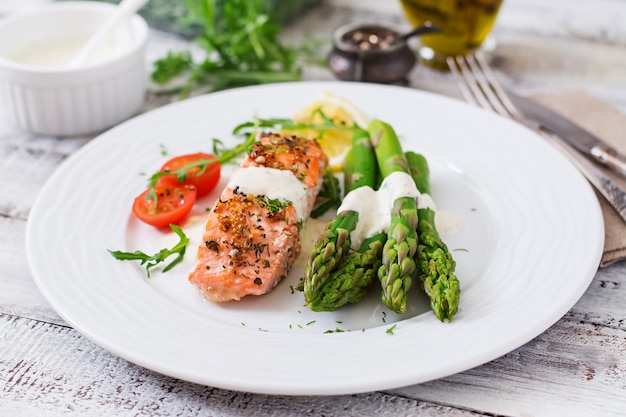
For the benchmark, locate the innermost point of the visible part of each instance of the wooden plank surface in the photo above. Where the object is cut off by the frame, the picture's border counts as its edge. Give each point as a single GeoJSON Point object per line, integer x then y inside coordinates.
{"type": "Point", "coordinates": [576, 368]}
{"type": "Point", "coordinates": [53, 369]}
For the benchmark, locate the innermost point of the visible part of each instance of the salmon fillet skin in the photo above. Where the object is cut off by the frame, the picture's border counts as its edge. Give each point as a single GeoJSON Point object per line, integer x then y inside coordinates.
{"type": "Point", "coordinates": [251, 238]}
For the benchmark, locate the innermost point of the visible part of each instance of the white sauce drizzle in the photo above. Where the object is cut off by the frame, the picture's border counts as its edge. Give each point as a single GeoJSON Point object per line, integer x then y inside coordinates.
{"type": "Point", "coordinates": [373, 215]}
{"type": "Point", "coordinates": [426, 201]}
{"type": "Point", "coordinates": [276, 184]}
{"type": "Point", "coordinates": [374, 207]}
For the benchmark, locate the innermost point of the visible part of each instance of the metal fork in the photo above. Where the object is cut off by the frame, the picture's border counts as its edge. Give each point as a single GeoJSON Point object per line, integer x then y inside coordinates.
{"type": "Point", "coordinates": [480, 87]}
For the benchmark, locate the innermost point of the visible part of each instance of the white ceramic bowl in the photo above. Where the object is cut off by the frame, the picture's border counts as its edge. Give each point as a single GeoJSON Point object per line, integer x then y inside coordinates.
{"type": "Point", "coordinates": [41, 97]}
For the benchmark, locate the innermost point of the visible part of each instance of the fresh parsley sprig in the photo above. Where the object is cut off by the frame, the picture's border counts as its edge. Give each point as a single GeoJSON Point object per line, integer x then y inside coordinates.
{"type": "Point", "coordinates": [274, 205]}
{"type": "Point", "coordinates": [151, 261]}
{"type": "Point", "coordinates": [241, 47]}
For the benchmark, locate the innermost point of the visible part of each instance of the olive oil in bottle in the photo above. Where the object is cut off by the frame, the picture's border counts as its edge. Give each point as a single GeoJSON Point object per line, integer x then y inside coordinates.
{"type": "Point", "coordinates": [465, 25]}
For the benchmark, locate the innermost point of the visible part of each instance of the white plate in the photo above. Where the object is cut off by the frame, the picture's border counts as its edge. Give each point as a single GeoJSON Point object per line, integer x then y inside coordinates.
{"type": "Point", "coordinates": [530, 245]}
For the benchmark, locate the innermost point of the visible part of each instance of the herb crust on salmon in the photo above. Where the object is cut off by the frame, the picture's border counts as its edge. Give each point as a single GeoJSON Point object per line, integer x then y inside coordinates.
{"type": "Point", "coordinates": [252, 235]}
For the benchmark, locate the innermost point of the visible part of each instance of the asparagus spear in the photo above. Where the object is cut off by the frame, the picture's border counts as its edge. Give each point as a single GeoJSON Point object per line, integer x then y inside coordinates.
{"type": "Point", "coordinates": [435, 263]}
{"type": "Point", "coordinates": [361, 167]}
{"type": "Point", "coordinates": [334, 243]}
{"type": "Point", "coordinates": [356, 270]}
{"type": "Point", "coordinates": [398, 262]}
{"type": "Point", "coordinates": [329, 248]}
{"type": "Point", "coordinates": [352, 277]}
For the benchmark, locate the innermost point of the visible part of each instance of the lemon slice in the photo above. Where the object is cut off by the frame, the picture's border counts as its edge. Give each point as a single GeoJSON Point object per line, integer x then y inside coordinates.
{"type": "Point", "coordinates": [335, 143]}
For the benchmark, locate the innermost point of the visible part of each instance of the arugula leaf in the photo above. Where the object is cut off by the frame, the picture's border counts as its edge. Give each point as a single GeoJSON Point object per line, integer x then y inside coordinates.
{"type": "Point", "coordinates": [222, 155]}
{"type": "Point", "coordinates": [329, 195]}
{"type": "Point", "coordinates": [276, 124]}
{"type": "Point", "coordinates": [152, 260]}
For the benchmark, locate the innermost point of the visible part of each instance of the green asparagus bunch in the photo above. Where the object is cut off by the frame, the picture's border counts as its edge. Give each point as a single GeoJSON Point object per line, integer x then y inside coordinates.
{"type": "Point", "coordinates": [435, 263]}
{"type": "Point", "coordinates": [356, 271]}
{"type": "Point", "coordinates": [398, 264]}
{"type": "Point", "coordinates": [324, 276]}
{"type": "Point", "coordinates": [336, 274]}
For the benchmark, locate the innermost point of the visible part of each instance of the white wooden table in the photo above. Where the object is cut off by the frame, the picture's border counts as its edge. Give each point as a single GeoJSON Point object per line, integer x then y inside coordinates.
{"type": "Point", "coordinates": [576, 368]}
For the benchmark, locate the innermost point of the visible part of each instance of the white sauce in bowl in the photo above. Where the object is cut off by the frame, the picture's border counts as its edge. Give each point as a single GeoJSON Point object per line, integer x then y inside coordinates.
{"type": "Point", "coordinates": [59, 52]}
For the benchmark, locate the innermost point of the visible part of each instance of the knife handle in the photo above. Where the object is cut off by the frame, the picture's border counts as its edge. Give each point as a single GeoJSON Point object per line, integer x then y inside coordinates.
{"type": "Point", "coordinates": [605, 185]}
{"type": "Point", "coordinates": [609, 156]}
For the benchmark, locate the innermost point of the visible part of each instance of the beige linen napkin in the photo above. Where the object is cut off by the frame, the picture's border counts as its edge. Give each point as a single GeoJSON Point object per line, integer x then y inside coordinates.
{"type": "Point", "coordinates": [609, 124]}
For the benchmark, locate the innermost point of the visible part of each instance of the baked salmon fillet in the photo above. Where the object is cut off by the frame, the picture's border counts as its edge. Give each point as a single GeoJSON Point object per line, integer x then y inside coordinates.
{"type": "Point", "coordinates": [252, 235]}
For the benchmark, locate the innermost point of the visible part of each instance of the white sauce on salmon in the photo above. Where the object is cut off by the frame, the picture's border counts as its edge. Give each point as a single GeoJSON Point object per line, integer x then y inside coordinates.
{"type": "Point", "coordinates": [276, 184]}
{"type": "Point", "coordinates": [374, 207]}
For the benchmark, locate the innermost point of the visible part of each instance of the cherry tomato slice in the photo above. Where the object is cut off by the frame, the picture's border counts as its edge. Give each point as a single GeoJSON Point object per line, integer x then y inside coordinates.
{"type": "Point", "coordinates": [204, 183]}
{"type": "Point", "coordinates": [174, 202]}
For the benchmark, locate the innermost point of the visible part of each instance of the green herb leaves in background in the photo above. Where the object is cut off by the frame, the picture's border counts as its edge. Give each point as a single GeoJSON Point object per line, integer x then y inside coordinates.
{"type": "Point", "coordinates": [241, 46]}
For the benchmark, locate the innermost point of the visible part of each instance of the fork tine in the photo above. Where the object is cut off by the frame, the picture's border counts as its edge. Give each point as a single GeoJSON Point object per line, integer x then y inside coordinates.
{"type": "Point", "coordinates": [473, 92]}
{"type": "Point", "coordinates": [495, 85]}
{"type": "Point", "coordinates": [479, 85]}
{"type": "Point", "coordinates": [485, 84]}
{"type": "Point", "coordinates": [460, 81]}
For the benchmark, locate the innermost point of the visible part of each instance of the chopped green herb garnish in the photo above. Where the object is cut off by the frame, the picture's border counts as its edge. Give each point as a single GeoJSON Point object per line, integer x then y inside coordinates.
{"type": "Point", "coordinates": [337, 330]}
{"type": "Point", "coordinates": [274, 205]}
{"type": "Point", "coordinates": [391, 329]}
